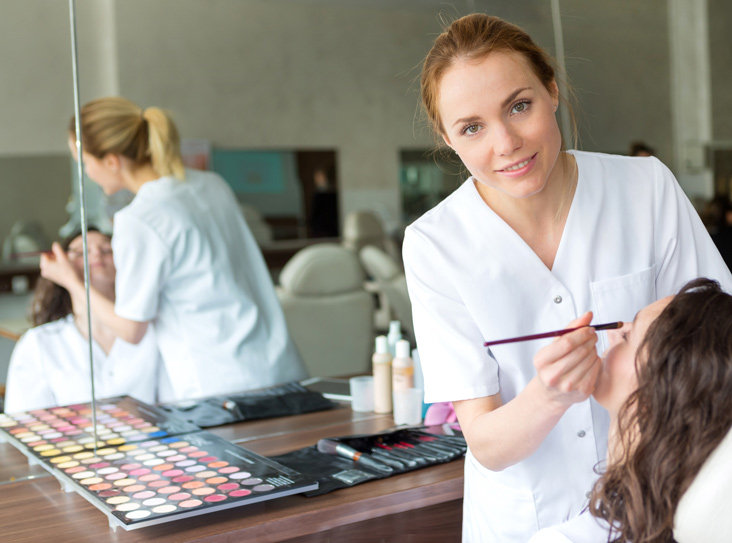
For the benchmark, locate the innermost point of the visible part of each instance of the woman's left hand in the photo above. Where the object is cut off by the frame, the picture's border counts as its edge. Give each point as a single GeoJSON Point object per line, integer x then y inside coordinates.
{"type": "Point", "coordinates": [58, 268]}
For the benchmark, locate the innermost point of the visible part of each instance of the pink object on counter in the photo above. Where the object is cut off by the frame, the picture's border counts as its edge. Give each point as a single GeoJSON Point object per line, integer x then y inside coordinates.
{"type": "Point", "coordinates": [440, 413]}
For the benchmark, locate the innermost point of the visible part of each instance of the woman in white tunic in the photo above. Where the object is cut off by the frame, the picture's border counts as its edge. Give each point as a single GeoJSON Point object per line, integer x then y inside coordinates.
{"type": "Point", "coordinates": [666, 382]}
{"type": "Point", "coordinates": [185, 260]}
{"type": "Point", "coordinates": [50, 363]}
{"type": "Point", "coordinates": [537, 239]}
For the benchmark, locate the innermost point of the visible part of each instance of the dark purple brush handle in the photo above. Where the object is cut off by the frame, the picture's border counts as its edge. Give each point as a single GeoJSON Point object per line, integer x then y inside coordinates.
{"type": "Point", "coordinates": [608, 326]}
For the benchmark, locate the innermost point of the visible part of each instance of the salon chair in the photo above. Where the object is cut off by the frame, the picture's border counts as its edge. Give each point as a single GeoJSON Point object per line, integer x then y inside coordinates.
{"type": "Point", "coordinates": [328, 312]}
{"type": "Point", "coordinates": [259, 228]}
{"type": "Point", "coordinates": [362, 228]}
{"type": "Point", "coordinates": [705, 510]}
{"type": "Point", "coordinates": [389, 282]}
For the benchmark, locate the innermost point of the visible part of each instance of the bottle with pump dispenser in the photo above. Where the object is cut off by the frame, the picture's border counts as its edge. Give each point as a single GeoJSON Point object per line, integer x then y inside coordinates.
{"type": "Point", "coordinates": [395, 334]}
{"type": "Point", "coordinates": [402, 367]}
{"type": "Point", "coordinates": [382, 376]}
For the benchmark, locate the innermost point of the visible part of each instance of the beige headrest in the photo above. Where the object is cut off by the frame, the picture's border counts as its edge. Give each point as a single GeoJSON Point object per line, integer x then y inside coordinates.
{"type": "Point", "coordinates": [324, 268]}
{"type": "Point", "coordinates": [704, 512]}
{"type": "Point", "coordinates": [362, 224]}
{"type": "Point", "coordinates": [378, 264]}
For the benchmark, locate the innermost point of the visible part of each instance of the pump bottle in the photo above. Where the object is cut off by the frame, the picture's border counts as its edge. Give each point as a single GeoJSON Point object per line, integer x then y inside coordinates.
{"type": "Point", "coordinates": [381, 362]}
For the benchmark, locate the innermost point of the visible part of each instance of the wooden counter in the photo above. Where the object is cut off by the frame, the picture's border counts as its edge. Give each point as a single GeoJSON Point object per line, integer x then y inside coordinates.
{"type": "Point", "coordinates": [421, 506]}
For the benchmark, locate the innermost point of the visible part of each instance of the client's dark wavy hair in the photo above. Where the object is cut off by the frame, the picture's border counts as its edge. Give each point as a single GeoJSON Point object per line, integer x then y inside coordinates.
{"type": "Point", "coordinates": [52, 302]}
{"type": "Point", "coordinates": [680, 412]}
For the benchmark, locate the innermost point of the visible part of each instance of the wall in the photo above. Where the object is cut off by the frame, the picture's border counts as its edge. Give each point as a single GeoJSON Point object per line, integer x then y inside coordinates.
{"type": "Point", "coordinates": [720, 52]}
{"type": "Point", "coordinates": [282, 74]}
{"type": "Point", "coordinates": [264, 75]}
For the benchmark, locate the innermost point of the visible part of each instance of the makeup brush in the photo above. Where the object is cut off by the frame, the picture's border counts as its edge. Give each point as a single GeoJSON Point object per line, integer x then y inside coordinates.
{"type": "Point", "coordinates": [608, 326]}
{"type": "Point", "coordinates": [328, 446]}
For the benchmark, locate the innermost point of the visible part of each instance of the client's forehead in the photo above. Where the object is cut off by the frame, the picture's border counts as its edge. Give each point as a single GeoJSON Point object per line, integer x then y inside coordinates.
{"type": "Point", "coordinates": [649, 313]}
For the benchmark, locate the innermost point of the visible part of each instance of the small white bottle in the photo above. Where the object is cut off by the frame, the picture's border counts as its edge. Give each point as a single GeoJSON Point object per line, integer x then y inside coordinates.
{"type": "Point", "coordinates": [395, 334]}
{"type": "Point", "coordinates": [402, 367]}
{"type": "Point", "coordinates": [381, 362]}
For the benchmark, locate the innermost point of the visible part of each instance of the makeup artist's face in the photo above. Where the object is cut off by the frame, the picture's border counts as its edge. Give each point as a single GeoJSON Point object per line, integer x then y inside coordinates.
{"type": "Point", "coordinates": [101, 264]}
{"type": "Point", "coordinates": [499, 118]}
{"type": "Point", "coordinates": [618, 379]}
{"type": "Point", "coordinates": [98, 170]}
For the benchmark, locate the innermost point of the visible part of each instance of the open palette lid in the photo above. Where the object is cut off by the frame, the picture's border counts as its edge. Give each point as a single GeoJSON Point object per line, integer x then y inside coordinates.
{"type": "Point", "coordinates": [140, 481]}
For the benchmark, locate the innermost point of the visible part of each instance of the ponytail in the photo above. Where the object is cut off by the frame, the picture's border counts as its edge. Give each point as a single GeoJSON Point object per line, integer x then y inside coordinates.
{"type": "Point", "coordinates": [119, 126]}
{"type": "Point", "coordinates": [163, 143]}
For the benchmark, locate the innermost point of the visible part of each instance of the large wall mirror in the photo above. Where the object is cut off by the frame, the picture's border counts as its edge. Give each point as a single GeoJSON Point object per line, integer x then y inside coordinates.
{"type": "Point", "coordinates": [304, 86]}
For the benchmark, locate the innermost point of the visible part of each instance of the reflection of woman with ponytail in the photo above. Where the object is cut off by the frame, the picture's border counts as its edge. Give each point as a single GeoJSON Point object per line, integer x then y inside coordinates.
{"type": "Point", "coordinates": [185, 260]}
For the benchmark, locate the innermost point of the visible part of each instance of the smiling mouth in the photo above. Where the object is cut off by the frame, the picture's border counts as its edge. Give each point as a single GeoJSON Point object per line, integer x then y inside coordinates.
{"type": "Point", "coordinates": [518, 165]}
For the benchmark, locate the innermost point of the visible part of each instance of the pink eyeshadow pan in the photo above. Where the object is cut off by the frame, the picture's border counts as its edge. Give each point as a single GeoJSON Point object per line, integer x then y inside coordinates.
{"type": "Point", "coordinates": [157, 484]}
{"type": "Point", "coordinates": [179, 496]}
{"type": "Point", "coordinates": [138, 472]}
{"type": "Point", "coordinates": [207, 459]}
{"type": "Point", "coordinates": [128, 467]}
{"type": "Point", "coordinates": [172, 473]}
{"type": "Point", "coordinates": [197, 454]}
{"type": "Point", "coordinates": [145, 494]}
{"type": "Point", "coordinates": [183, 479]}
{"type": "Point", "coordinates": [215, 498]}
{"type": "Point", "coordinates": [169, 490]}
{"type": "Point", "coordinates": [239, 493]}
{"type": "Point", "coordinates": [190, 503]}
{"type": "Point", "coordinates": [230, 469]}
{"type": "Point", "coordinates": [133, 488]}
{"type": "Point", "coordinates": [227, 486]}
{"type": "Point", "coordinates": [149, 477]}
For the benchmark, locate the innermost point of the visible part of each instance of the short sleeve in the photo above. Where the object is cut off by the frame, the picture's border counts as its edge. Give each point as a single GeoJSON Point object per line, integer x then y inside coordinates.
{"type": "Point", "coordinates": [455, 364]}
{"type": "Point", "coordinates": [684, 248]}
{"type": "Point", "coordinates": [27, 387]}
{"type": "Point", "coordinates": [143, 264]}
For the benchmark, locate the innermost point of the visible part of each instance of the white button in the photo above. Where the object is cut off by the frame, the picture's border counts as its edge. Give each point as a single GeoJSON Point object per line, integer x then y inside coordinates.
{"type": "Point", "coordinates": [557, 299]}
{"type": "Point", "coordinates": [581, 433]}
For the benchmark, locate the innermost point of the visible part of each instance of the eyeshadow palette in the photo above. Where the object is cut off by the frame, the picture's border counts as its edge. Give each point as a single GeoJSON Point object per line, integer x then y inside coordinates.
{"type": "Point", "coordinates": [57, 431]}
{"type": "Point", "coordinates": [144, 476]}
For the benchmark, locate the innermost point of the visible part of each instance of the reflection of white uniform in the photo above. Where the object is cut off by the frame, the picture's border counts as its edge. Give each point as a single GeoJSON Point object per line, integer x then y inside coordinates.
{"type": "Point", "coordinates": [50, 367]}
{"type": "Point", "coordinates": [631, 237]}
{"type": "Point", "coordinates": [582, 529]}
{"type": "Point", "coordinates": [186, 259]}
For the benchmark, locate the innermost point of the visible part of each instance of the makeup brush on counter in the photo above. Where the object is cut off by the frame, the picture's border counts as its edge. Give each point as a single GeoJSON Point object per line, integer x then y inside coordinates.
{"type": "Point", "coordinates": [328, 446]}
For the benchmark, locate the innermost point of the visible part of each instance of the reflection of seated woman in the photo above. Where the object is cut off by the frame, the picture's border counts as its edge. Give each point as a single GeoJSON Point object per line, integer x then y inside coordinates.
{"type": "Point", "coordinates": [667, 384]}
{"type": "Point", "coordinates": [50, 364]}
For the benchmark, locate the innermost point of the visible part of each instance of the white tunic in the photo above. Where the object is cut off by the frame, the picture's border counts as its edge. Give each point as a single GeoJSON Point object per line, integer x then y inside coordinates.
{"type": "Point", "coordinates": [631, 237]}
{"type": "Point", "coordinates": [50, 367]}
{"type": "Point", "coordinates": [581, 529]}
{"type": "Point", "coordinates": [187, 261]}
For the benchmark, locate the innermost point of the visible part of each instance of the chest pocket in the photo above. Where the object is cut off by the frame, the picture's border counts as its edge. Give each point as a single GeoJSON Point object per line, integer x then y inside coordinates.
{"type": "Point", "coordinates": [620, 298]}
